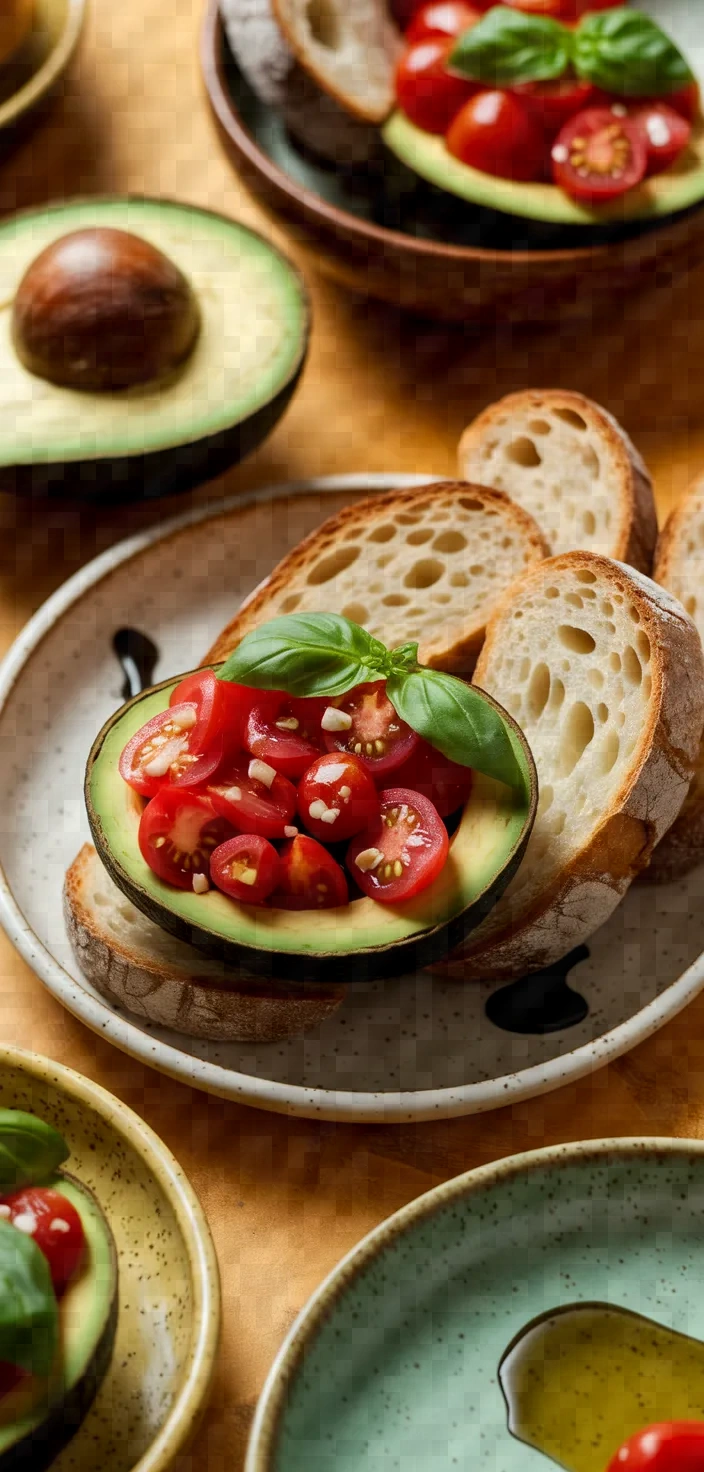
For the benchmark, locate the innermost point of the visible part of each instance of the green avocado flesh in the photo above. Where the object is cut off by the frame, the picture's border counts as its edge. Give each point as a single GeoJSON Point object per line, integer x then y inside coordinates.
{"type": "Point", "coordinates": [665, 194]}
{"type": "Point", "coordinates": [252, 340]}
{"type": "Point", "coordinates": [39, 1416]}
{"type": "Point", "coordinates": [372, 939]}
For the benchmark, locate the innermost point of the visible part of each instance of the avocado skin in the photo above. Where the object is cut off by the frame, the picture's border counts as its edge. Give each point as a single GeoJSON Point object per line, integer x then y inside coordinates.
{"type": "Point", "coordinates": [160, 473]}
{"type": "Point", "coordinates": [39, 1449]}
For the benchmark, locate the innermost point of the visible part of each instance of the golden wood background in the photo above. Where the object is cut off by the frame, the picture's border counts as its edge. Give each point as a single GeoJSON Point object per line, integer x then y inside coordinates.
{"type": "Point", "coordinates": [285, 1197]}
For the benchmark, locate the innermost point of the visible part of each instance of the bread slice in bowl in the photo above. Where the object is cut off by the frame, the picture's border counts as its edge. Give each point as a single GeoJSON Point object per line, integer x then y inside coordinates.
{"type": "Point", "coordinates": [570, 464]}
{"type": "Point", "coordinates": [138, 966]}
{"type": "Point", "coordinates": [350, 50]}
{"type": "Point", "coordinates": [679, 566]}
{"type": "Point", "coordinates": [604, 672]}
{"type": "Point", "coordinates": [429, 564]}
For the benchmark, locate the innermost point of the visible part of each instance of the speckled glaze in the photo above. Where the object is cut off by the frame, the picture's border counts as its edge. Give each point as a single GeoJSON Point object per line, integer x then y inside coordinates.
{"type": "Point", "coordinates": [169, 1296]}
{"type": "Point", "coordinates": [392, 1366]}
{"type": "Point", "coordinates": [43, 58]}
{"type": "Point", "coordinates": [412, 1048]}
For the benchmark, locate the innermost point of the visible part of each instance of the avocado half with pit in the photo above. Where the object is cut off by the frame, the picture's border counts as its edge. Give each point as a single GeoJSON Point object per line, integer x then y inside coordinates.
{"type": "Point", "coordinates": [356, 942]}
{"type": "Point", "coordinates": [40, 1416]}
{"type": "Point", "coordinates": [237, 352]}
{"type": "Point", "coordinates": [677, 189]}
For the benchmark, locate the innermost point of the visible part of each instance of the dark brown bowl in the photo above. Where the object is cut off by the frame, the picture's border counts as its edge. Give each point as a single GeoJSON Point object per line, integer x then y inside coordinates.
{"type": "Point", "coordinates": [385, 233]}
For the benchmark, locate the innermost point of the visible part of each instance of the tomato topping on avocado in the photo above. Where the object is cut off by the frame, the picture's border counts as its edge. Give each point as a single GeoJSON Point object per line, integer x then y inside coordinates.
{"type": "Point", "coordinates": [55, 1226]}
{"type": "Point", "coordinates": [667, 134]}
{"type": "Point", "coordinates": [337, 797]}
{"type": "Point", "coordinates": [178, 832]}
{"type": "Point", "coordinates": [496, 133]}
{"type": "Point", "coordinates": [376, 735]}
{"type": "Point", "coordinates": [599, 156]}
{"type": "Point", "coordinates": [310, 879]}
{"type": "Point", "coordinates": [403, 852]}
{"type": "Point", "coordinates": [442, 18]}
{"type": "Point", "coordinates": [425, 90]}
{"type": "Point", "coordinates": [673, 1446]}
{"type": "Point", "coordinates": [285, 732]}
{"type": "Point", "coordinates": [247, 868]}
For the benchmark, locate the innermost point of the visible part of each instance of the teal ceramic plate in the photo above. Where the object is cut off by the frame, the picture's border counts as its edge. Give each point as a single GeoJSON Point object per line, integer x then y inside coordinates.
{"type": "Point", "coordinates": [394, 1364]}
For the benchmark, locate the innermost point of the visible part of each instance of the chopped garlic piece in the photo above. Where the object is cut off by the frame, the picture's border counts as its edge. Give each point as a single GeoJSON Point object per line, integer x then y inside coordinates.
{"type": "Point", "coordinates": [330, 815]}
{"type": "Point", "coordinates": [336, 720]}
{"type": "Point", "coordinates": [370, 858]}
{"type": "Point", "coordinates": [288, 723]}
{"type": "Point", "coordinates": [59, 1225]}
{"type": "Point", "coordinates": [185, 719]}
{"type": "Point", "coordinates": [167, 754]}
{"type": "Point", "coordinates": [201, 884]}
{"type": "Point", "coordinates": [261, 772]}
{"type": "Point", "coordinates": [5, 1211]}
{"type": "Point", "coordinates": [232, 794]}
{"type": "Point", "coordinates": [26, 1222]}
{"type": "Point", "coordinates": [290, 831]}
{"type": "Point", "coordinates": [318, 808]}
{"type": "Point", "coordinates": [345, 793]}
{"type": "Point", "coordinates": [248, 876]}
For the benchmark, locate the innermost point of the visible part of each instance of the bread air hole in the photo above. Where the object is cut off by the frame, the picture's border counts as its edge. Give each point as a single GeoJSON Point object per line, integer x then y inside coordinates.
{"type": "Point", "coordinates": [591, 461]}
{"type": "Point", "coordinates": [395, 600]}
{"type": "Point", "coordinates": [324, 22]}
{"type": "Point", "coordinates": [356, 612]}
{"type": "Point", "coordinates": [610, 751]}
{"type": "Point", "coordinates": [523, 452]}
{"type": "Point", "coordinates": [615, 663]}
{"type": "Point", "coordinates": [417, 538]}
{"type": "Point", "coordinates": [596, 679]}
{"type": "Point", "coordinates": [575, 600]}
{"type": "Point", "coordinates": [585, 576]}
{"type": "Point", "coordinates": [470, 503]}
{"type": "Point", "coordinates": [331, 567]}
{"type": "Point", "coordinates": [423, 574]}
{"type": "Point", "coordinates": [460, 579]}
{"type": "Point", "coordinates": [577, 734]}
{"type": "Point", "coordinates": [576, 640]}
{"type": "Point", "coordinates": [643, 647]}
{"type": "Point", "coordinates": [589, 523]}
{"type": "Point", "coordinates": [450, 541]}
{"type": "Point", "coordinates": [571, 417]}
{"type": "Point", "coordinates": [540, 426]}
{"type": "Point", "coordinates": [632, 667]}
{"type": "Point", "coordinates": [383, 533]}
{"type": "Point", "coordinates": [557, 695]}
{"type": "Point", "coordinates": [538, 691]}
{"type": "Point", "coordinates": [291, 603]}
{"type": "Point", "coordinates": [690, 604]}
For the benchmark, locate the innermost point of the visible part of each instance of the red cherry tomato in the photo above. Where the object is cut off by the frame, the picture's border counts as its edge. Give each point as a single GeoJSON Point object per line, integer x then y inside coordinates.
{"type": "Point", "coordinates": [599, 156]}
{"type": "Point", "coordinates": [412, 840]}
{"type": "Point", "coordinates": [147, 759]}
{"type": "Point", "coordinates": [247, 868]}
{"type": "Point", "coordinates": [674, 1446]}
{"type": "Point", "coordinates": [445, 783]}
{"type": "Point", "coordinates": [687, 101]}
{"type": "Point", "coordinates": [177, 834]}
{"type": "Point", "coordinates": [310, 878]}
{"type": "Point", "coordinates": [55, 1225]}
{"type": "Point", "coordinates": [553, 103]}
{"type": "Point", "coordinates": [442, 18]}
{"type": "Point", "coordinates": [425, 91]}
{"type": "Point", "coordinates": [285, 733]}
{"type": "Point", "coordinates": [249, 805]}
{"type": "Point", "coordinates": [377, 735]}
{"type": "Point", "coordinates": [496, 133]}
{"type": "Point", "coordinates": [344, 788]}
{"type": "Point", "coordinates": [565, 10]}
{"type": "Point", "coordinates": [203, 690]}
{"type": "Point", "coordinates": [667, 134]}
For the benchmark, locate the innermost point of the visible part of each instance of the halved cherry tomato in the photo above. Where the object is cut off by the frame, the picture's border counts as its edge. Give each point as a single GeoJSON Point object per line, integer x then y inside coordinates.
{"type": "Point", "coordinates": [251, 806]}
{"type": "Point", "coordinates": [247, 868]}
{"type": "Point", "coordinates": [672, 1446]}
{"type": "Point", "coordinates": [667, 134]}
{"type": "Point", "coordinates": [310, 878]}
{"type": "Point", "coordinates": [553, 103]}
{"type": "Point", "coordinates": [425, 91]}
{"type": "Point", "coordinates": [403, 852]}
{"type": "Point", "coordinates": [442, 18]}
{"type": "Point", "coordinates": [203, 690]}
{"type": "Point", "coordinates": [496, 133]}
{"type": "Point", "coordinates": [285, 733]}
{"type": "Point", "coordinates": [599, 156]}
{"type": "Point", "coordinates": [147, 759]}
{"type": "Point", "coordinates": [445, 783]}
{"type": "Point", "coordinates": [178, 831]}
{"type": "Point", "coordinates": [337, 784]}
{"type": "Point", "coordinates": [54, 1224]}
{"type": "Point", "coordinates": [377, 735]}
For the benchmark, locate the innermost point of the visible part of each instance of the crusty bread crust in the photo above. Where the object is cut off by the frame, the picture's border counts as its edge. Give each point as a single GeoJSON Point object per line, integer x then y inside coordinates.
{"type": "Point", "coordinates": [373, 33]}
{"type": "Point", "coordinates": [454, 638]}
{"type": "Point", "coordinates": [585, 892]}
{"type": "Point", "coordinates": [179, 992]}
{"type": "Point", "coordinates": [635, 529]}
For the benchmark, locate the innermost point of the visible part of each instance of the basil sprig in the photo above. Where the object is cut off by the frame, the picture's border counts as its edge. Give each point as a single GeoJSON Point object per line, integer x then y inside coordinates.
{"type": "Point", "coordinates": [325, 654]}
{"type": "Point", "coordinates": [30, 1150]}
{"type": "Point", "coordinates": [622, 51]}
{"type": "Point", "coordinates": [29, 1315]}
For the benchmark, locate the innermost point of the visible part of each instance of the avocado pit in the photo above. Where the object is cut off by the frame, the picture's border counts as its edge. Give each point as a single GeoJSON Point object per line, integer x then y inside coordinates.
{"type": "Point", "coordinates": [102, 309]}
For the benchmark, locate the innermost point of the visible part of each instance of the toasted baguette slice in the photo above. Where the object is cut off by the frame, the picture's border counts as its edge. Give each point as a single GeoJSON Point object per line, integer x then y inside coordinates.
{"type": "Point", "coordinates": [570, 464]}
{"type": "Point", "coordinates": [132, 962]}
{"type": "Point", "coordinates": [679, 566]}
{"type": "Point", "coordinates": [604, 671]}
{"type": "Point", "coordinates": [429, 564]}
{"type": "Point", "coordinates": [350, 50]}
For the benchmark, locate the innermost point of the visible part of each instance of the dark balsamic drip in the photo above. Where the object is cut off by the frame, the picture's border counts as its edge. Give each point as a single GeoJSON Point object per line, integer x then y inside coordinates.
{"type": "Point", "coordinates": [541, 1003]}
{"type": "Point", "coordinates": [137, 655]}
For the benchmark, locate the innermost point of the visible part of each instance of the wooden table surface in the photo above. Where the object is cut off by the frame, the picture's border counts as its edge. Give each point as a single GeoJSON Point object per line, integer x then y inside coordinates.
{"type": "Point", "coordinates": [287, 1197]}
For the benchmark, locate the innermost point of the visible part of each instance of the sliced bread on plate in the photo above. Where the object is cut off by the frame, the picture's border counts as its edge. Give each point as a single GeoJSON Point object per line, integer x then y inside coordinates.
{"type": "Point", "coordinates": [350, 49]}
{"type": "Point", "coordinates": [135, 964]}
{"type": "Point", "coordinates": [429, 564]}
{"type": "Point", "coordinates": [604, 672]}
{"type": "Point", "coordinates": [679, 566]}
{"type": "Point", "coordinates": [572, 466]}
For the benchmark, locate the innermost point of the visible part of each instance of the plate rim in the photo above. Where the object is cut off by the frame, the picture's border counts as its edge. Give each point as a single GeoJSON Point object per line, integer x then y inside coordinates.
{"type": "Point", "coordinates": [190, 1403]}
{"type": "Point", "coordinates": [352, 1106]}
{"type": "Point", "coordinates": [262, 1444]}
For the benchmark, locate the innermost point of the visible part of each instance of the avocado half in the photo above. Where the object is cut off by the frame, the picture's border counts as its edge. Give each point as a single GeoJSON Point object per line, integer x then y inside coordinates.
{"type": "Point", "coordinates": [171, 434]}
{"type": "Point", "coordinates": [360, 941]}
{"type": "Point", "coordinates": [677, 189]}
{"type": "Point", "coordinates": [39, 1417]}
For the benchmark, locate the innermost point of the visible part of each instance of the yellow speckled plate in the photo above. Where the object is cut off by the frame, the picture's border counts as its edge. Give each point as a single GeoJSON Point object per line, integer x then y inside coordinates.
{"type": "Point", "coordinates": [169, 1308]}
{"type": "Point", "coordinates": [31, 74]}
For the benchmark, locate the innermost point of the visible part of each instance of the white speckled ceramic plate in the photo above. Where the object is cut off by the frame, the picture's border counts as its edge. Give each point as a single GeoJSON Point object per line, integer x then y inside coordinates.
{"type": "Point", "coordinates": [169, 1294]}
{"type": "Point", "coordinates": [416, 1048]}
{"type": "Point", "coordinates": [393, 1364]}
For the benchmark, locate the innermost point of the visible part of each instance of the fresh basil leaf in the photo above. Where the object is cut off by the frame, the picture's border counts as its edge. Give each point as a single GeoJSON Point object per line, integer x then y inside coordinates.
{"type": "Point", "coordinates": [458, 720]}
{"type": "Point", "coordinates": [509, 46]}
{"type": "Point", "coordinates": [404, 657]}
{"type": "Point", "coordinates": [29, 1316]}
{"type": "Point", "coordinates": [30, 1149]}
{"type": "Point", "coordinates": [307, 654]}
{"type": "Point", "coordinates": [625, 52]}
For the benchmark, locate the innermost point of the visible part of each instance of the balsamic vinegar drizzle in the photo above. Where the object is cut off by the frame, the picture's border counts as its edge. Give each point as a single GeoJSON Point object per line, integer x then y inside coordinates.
{"type": "Point", "coordinates": [541, 1003]}
{"type": "Point", "coordinates": [137, 655]}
